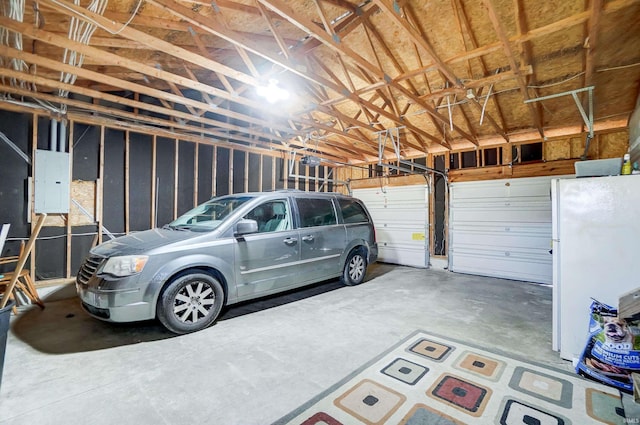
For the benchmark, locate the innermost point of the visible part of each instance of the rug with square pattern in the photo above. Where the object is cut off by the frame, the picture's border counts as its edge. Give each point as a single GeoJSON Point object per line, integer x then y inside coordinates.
{"type": "Point", "coordinates": [429, 379]}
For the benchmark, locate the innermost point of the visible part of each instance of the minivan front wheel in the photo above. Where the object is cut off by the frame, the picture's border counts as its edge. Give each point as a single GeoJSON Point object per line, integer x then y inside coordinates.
{"type": "Point", "coordinates": [355, 268]}
{"type": "Point", "coordinates": [190, 303]}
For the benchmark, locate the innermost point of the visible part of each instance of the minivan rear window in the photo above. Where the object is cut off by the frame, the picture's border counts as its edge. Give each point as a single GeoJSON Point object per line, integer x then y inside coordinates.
{"type": "Point", "coordinates": [316, 212]}
{"type": "Point", "coordinates": [352, 211]}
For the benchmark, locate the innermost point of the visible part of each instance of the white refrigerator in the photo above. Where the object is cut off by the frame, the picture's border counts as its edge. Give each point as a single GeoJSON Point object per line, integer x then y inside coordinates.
{"type": "Point", "coordinates": [596, 251]}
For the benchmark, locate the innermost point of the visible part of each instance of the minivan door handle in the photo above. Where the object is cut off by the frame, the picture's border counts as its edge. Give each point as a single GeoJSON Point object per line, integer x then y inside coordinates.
{"type": "Point", "coordinates": [308, 238]}
{"type": "Point", "coordinates": [290, 241]}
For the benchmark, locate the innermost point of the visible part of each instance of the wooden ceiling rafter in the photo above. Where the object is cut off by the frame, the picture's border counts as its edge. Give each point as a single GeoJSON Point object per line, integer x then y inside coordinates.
{"type": "Point", "coordinates": [125, 85]}
{"type": "Point", "coordinates": [341, 85]}
{"type": "Point", "coordinates": [418, 39]}
{"type": "Point", "coordinates": [463, 21]}
{"type": "Point", "coordinates": [230, 36]}
{"type": "Point", "coordinates": [357, 68]}
{"type": "Point", "coordinates": [203, 51]}
{"type": "Point", "coordinates": [410, 17]}
{"type": "Point", "coordinates": [323, 18]}
{"type": "Point", "coordinates": [309, 27]}
{"type": "Point", "coordinates": [591, 43]}
{"type": "Point", "coordinates": [554, 27]}
{"type": "Point", "coordinates": [304, 24]}
{"type": "Point", "coordinates": [169, 123]}
{"type": "Point", "coordinates": [284, 48]}
{"type": "Point", "coordinates": [502, 36]}
{"type": "Point", "coordinates": [219, 17]}
{"type": "Point", "coordinates": [342, 28]}
{"type": "Point", "coordinates": [526, 54]}
{"type": "Point", "coordinates": [151, 41]}
{"type": "Point", "coordinates": [152, 72]}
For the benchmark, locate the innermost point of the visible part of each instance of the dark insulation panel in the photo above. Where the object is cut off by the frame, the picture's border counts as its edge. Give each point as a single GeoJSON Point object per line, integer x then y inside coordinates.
{"type": "Point", "coordinates": [50, 253]}
{"type": "Point", "coordinates": [205, 172]}
{"type": "Point", "coordinates": [140, 162]}
{"type": "Point", "coordinates": [165, 152]}
{"type": "Point", "coordinates": [280, 173]}
{"type": "Point", "coordinates": [186, 176]}
{"type": "Point", "coordinates": [113, 182]}
{"type": "Point", "coordinates": [44, 133]}
{"type": "Point", "coordinates": [80, 245]}
{"type": "Point", "coordinates": [267, 173]}
{"type": "Point", "coordinates": [238, 171]}
{"type": "Point", "coordinates": [14, 171]}
{"type": "Point", "coordinates": [254, 172]}
{"type": "Point", "coordinates": [469, 159]}
{"type": "Point", "coordinates": [86, 152]}
{"type": "Point", "coordinates": [222, 172]}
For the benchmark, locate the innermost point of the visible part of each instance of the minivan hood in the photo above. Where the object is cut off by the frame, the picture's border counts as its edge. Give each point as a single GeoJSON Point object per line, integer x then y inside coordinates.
{"type": "Point", "coordinates": [142, 242]}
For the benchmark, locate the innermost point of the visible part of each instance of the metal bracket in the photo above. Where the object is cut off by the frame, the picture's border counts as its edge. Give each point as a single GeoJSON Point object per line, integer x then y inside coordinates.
{"type": "Point", "coordinates": [393, 134]}
{"type": "Point", "coordinates": [292, 160]}
{"type": "Point", "coordinates": [588, 119]}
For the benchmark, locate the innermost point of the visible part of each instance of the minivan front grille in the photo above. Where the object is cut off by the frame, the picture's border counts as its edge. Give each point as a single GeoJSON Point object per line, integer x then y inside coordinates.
{"type": "Point", "coordinates": [88, 269]}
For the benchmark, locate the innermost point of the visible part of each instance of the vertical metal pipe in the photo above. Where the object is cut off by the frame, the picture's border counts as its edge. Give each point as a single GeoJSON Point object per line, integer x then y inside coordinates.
{"type": "Point", "coordinates": [53, 135]}
{"type": "Point", "coordinates": [63, 137]}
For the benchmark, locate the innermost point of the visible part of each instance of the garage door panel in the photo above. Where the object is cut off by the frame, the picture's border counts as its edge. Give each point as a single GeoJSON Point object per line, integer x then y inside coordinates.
{"type": "Point", "coordinates": [502, 228]}
{"type": "Point", "coordinates": [482, 215]}
{"type": "Point", "coordinates": [387, 216]}
{"type": "Point", "coordinates": [410, 237]}
{"type": "Point", "coordinates": [518, 268]}
{"type": "Point", "coordinates": [400, 215]}
{"type": "Point", "coordinates": [482, 240]}
{"type": "Point", "coordinates": [401, 255]}
{"type": "Point", "coordinates": [497, 189]}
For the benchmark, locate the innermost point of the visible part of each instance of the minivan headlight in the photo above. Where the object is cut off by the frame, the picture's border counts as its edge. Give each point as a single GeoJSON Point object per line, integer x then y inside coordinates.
{"type": "Point", "coordinates": [125, 265]}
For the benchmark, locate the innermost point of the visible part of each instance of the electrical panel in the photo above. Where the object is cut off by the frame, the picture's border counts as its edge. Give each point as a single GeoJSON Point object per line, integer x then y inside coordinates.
{"type": "Point", "coordinates": [52, 183]}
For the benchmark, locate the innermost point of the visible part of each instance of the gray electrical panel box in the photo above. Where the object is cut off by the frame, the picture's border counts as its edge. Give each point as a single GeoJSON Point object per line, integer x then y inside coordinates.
{"type": "Point", "coordinates": [52, 184]}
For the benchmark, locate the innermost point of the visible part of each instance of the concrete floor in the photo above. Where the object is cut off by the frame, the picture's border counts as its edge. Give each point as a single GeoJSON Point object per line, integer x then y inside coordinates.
{"type": "Point", "coordinates": [260, 360]}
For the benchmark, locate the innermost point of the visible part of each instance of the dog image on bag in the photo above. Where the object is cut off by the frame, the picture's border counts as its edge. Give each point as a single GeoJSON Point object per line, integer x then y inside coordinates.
{"type": "Point", "coordinates": [612, 351]}
{"type": "Point", "coordinates": [617, 334]}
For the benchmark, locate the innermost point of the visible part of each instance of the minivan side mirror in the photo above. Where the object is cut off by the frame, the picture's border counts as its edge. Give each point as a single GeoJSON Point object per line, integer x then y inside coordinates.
{"type": "Point", "coordinates": [245, 227]}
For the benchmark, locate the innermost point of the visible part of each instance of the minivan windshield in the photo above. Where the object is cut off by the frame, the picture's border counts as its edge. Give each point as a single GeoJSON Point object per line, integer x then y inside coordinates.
{"type": "Point", "coordinates": [208, 216]}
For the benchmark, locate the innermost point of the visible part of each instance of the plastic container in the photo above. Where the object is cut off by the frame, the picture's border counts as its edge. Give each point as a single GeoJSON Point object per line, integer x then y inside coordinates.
{"type": "Point", "coordinates": [4, 330]}
{"type": "Point", "coordinates": [626, 165]}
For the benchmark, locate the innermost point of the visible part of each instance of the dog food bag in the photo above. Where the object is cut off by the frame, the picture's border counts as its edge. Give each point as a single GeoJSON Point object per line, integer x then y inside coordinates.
{"type": "Point", "coordinates": [612, 351]}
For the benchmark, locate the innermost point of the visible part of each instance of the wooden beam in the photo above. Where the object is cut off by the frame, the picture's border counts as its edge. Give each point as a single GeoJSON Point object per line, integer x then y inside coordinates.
{"type": "Point", "coordinates": [284, 48]}
{"type": "Point", "coordinates": [213, 132]}
{"type": "Point", "coordinates": [592, 41]}
{"type": "Point", "coordinates": [176, 173]}
{"type": "Point", "coordinates": [123, 62]}
{"type": "Point", "coordinates": [419, 40]}
{"type": "Point", "coordinates": [230, 36]}
{"type": "Point", "coordinates": [154, 198]}
{"type": "Point", "coordinates": [131, 33]}
{"type": "Point", "coordinates": [309, 27]}
{"type": "Point", "coordinates": [127, 183]}
{"type": "Point", "coordinates": [125, 85]}
{"type": "Point", "coordinates": [502, 35]}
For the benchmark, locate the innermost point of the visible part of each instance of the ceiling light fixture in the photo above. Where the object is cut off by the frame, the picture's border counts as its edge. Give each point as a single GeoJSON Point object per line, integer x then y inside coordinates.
{"type": "Point", "coordinates": [272, 93]}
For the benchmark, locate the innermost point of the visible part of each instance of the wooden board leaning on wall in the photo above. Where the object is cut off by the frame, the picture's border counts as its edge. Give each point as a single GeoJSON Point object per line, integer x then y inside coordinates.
{"type": "Point", "coordinates": [84, 193]}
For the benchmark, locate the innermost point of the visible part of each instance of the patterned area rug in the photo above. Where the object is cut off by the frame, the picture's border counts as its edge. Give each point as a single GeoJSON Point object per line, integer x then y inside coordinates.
{"type": "Point", "coordinates": [428, 379]}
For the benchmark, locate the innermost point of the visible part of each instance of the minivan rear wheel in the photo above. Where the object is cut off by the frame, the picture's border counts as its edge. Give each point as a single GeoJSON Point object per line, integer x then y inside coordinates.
{"type": "Point", "coordinates": [190, 303]}
{"type": "Point", "coordinates": [355, 268]}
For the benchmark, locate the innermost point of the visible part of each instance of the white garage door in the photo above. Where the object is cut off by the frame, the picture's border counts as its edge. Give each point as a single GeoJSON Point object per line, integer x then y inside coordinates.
{"type": "Point", "coordinates": [400, 215]}
{"type": "Point", "coordinates": [502, 228]}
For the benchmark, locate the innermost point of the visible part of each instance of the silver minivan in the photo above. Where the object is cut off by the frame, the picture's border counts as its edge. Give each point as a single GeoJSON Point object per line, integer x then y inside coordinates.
{"type": "Point", "coordinates": [229, 249]}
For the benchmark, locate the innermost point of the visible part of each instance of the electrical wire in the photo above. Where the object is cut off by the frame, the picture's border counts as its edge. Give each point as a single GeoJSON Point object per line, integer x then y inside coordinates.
{"type": "Point", "coordinates": [573, 77]}
{"type": "Point", "coordinates": [613, 68]}
{"type": "Point", "coordinates": [47, 238]}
